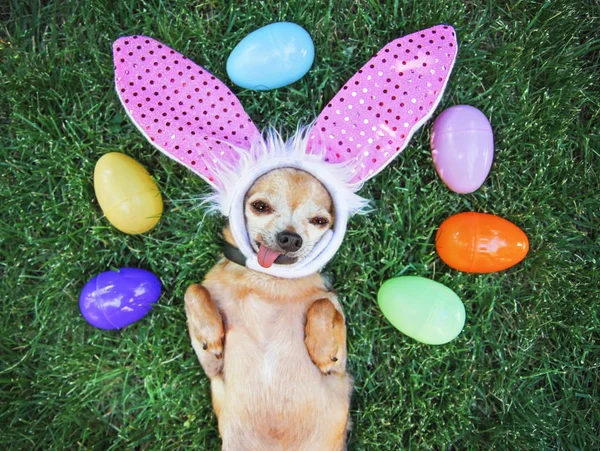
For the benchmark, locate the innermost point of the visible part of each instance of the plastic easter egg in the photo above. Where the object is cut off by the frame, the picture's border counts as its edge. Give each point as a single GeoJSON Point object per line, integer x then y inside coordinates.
{"type": "Point", "coordinates": [480, 243]}
{"type": "Point", "coordinates": [271, 57]}
{"type": "Point", "coordinates": [113, 300]}
{"type": "Point", "coordinates": [462, 147]}
{"type": "Point", "coordinates": [128, 196]}
{"type": "Point", "coordinates": [423, 309]}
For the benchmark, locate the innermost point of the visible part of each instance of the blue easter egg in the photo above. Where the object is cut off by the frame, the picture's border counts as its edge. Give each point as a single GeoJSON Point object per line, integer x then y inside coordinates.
{"type": "Point", "coordinates": [115, 299]}
{"type": "Point", "coordinates": [271, 57]}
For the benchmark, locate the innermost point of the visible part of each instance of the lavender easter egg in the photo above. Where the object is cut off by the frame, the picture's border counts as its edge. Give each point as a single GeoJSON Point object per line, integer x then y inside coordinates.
{"type": "Point", "coordinates": [113, 300]}
{"type": "Point", "coordinates": [462, 147]}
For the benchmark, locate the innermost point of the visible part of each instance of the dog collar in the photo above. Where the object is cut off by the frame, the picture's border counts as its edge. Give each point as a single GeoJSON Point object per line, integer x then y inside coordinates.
{"type": "Point", "coordinates": [233, 254]}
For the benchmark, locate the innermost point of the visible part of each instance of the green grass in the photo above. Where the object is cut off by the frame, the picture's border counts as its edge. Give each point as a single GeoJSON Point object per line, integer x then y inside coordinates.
{"type": "Point", "coordinates": [525, 372]}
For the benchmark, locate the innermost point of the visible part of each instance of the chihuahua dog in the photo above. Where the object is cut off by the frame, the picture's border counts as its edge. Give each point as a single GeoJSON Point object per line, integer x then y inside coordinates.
{"type": "Point", "coordinates": [275, 348]}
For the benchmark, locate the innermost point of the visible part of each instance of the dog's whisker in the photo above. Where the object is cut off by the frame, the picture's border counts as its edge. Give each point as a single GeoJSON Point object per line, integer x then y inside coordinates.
{"type": "Point", "coordinates": [258, 229]}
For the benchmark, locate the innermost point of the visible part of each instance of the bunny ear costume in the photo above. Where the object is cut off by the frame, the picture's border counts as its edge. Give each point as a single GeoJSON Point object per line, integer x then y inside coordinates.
{"type": "Point", "coordinates": [193, 118]}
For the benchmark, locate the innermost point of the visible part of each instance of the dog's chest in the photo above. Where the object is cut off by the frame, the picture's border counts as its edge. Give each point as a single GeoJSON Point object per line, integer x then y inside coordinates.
{"type": "Point", "coordinates": [264, 340]}
{"type": "Point", "coordinates": [267, 352]}
{"type": "Point", "coordinates": [269, 325]}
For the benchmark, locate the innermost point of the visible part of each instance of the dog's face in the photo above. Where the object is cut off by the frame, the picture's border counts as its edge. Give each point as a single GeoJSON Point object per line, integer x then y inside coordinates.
{"type": "Point", "coordinates": [287, 212]}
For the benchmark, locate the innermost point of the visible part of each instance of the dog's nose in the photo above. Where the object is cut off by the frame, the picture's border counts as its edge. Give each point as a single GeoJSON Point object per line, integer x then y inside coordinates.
{"type": "Point", "coordinates": [289, 241]}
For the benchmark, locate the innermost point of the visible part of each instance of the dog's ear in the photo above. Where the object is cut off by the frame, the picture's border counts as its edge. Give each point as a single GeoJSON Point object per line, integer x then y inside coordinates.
{"type": "Point", "coordinates": [181, 108]}
{"type": "Point", "coordinates": [372, 118]}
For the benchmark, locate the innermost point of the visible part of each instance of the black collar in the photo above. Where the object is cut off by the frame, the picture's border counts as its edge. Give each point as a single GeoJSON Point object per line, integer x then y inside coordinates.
{"type": "Point", "coordinates": [233, 254]}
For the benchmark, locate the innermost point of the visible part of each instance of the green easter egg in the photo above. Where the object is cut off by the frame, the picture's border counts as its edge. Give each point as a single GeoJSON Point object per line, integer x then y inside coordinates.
{"type": "Point", "coordinates": [423, 309]}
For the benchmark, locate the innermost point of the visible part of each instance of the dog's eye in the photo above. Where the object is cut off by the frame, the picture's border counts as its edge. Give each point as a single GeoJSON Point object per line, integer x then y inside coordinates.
{"type": "Point", "coordinates": [319, 221]}
{"type": "Point", "coordinates": [261, 206]}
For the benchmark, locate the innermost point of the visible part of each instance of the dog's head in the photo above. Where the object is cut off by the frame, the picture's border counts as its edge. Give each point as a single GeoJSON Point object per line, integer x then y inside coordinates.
{"type": "Point", "coordinates": [287, 212]}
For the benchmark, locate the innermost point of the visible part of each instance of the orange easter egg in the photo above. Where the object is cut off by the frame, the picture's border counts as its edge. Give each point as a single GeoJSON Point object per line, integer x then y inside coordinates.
{"type": "Point", "coordinates": [480, 243]}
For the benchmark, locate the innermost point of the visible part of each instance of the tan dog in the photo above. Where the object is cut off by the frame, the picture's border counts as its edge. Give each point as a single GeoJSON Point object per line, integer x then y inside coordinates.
{"type": "Point", "coordinates": [273, 348]}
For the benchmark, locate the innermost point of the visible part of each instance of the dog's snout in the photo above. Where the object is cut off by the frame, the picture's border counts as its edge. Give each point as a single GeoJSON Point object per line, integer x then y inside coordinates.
{"type": "Point", "coordinates": [289, 241]}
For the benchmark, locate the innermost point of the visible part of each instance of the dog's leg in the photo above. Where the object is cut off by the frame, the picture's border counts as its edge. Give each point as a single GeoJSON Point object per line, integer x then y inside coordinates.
{"type": "Point", "coordinates": [325, 337]}
{"type": "Point", "coordinates": [206, 329]}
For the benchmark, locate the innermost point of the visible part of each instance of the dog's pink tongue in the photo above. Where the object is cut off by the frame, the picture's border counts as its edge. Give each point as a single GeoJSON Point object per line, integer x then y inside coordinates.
{"type": "Point", "coordinates": [266, 256]}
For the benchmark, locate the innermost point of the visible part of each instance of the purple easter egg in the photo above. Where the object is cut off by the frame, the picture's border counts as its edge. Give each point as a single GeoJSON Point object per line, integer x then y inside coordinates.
{"type": "Point", "coordinates": [113, 300]}
{"type": "Point", "coordinates": [462, 147]}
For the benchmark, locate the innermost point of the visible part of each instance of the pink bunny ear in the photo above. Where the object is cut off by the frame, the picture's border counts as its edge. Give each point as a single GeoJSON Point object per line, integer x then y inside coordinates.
{"type": "Point", "coordinates": [182, 109]}
{"type": "Point", "coordinates": [372, 118]}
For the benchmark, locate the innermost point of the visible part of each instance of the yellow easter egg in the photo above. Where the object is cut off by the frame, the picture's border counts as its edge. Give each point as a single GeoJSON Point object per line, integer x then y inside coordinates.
{"type": "Point", "coordinates": [128, 196]}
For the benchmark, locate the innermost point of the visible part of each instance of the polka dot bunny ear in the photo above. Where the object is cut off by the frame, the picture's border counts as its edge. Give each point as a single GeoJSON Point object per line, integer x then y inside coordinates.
{"type": "Point", "coordinates": [182, 109]}
{"type": "Point", "coordinates": [372, 118]}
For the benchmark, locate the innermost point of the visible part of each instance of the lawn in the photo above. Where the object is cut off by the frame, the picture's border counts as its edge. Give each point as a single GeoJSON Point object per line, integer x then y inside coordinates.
{"type": "Point", "coordinates": [524, 373]}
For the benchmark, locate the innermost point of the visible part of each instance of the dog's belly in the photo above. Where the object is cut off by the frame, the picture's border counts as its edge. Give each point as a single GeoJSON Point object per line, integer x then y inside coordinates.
{"type": "Point", "coordinates": [273, 393]}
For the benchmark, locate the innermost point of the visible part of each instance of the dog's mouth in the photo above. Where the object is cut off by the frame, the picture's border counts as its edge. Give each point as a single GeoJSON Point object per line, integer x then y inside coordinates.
{"type": "Point", "coordinates": [267, 256]}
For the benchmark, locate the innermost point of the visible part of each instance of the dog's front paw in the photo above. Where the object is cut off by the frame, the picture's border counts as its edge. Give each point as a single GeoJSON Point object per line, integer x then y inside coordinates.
{"type": "Point", "coordinates": [325, 337]}
{"type": "Point", "coordinates": [205, 325]}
